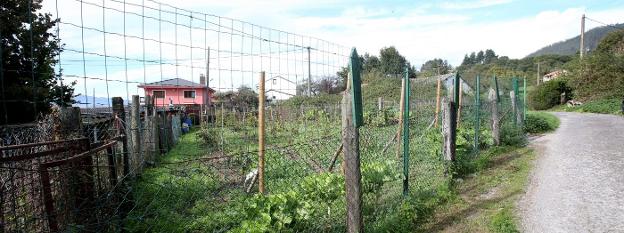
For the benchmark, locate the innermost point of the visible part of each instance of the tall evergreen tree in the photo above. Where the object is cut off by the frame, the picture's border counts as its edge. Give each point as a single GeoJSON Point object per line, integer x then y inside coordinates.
{"type": "Point", "coordinates": [392, 62]}
{"type": "Point", "coordinates": [480, 57]}
{"type": "Point", "coordinates": [29, 52]}
{"type": "Point", "coordinates": [490, 56]}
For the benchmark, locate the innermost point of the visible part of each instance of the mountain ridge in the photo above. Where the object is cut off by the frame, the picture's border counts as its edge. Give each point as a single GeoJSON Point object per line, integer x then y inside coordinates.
{"type": "Point", "coordinates": [571, 46]}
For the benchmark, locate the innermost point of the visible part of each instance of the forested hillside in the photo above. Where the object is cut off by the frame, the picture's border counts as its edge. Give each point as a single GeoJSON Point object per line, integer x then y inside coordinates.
{"type": "Point", "coordinates": [571, 46]}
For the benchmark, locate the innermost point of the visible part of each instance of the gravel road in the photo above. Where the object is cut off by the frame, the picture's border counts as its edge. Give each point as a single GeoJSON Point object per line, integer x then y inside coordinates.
{"type": "Point", "coordinates": [577, 184]}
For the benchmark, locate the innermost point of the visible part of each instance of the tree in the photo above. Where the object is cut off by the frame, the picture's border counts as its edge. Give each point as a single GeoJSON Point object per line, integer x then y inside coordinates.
{"type": "Point", "coordinates": [370, 62]}
{"type": "Point", "coordinates": [473, 58]}
{"type": "Point", "coordinates": [599, 75]}
{"type": "Point", "coordinates": [490, 56]}
{"type": "Point", "coordinates": [392, 62]}
{"type": "Point", "coordinates": [29, 54]}
{"type": "Point", "coordinates": [480, 57]}
{"type": "Point", "coordinates": [435, 67]}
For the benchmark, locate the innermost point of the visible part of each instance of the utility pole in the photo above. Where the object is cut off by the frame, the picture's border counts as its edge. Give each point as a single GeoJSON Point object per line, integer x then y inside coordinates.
{"type": "Point", "coordinates": [538, 73]}
{"type": "Point", "coordinates": [582, 47]}
{"type": "Point", "coordinates": [309, 74]}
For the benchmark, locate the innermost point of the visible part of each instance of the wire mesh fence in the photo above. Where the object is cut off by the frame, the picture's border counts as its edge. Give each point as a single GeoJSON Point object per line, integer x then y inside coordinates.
{"type": "Point", "coordinates": [151, 150]}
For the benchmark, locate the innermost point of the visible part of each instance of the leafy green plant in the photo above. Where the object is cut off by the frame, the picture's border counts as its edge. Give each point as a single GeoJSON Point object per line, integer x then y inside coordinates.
{"type": "Point", "coordinates": [512, 135]}
{"type": "Point", "coordinates": [276, 212]}
{"type": "Point", "coordinates": [503, 222]}
{"type": "Point", "coordinates": [540, 122]}
{"type": "Point", "coordinates": [323, 187]}
{"type": "Point", "coordinates": [548, 94]}
{"type": "Point", "coordinates": [375, 174]}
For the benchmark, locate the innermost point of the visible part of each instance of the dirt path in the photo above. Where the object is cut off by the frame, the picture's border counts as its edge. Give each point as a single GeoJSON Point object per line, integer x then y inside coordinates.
{"type": "Point", "coordinates": [577, 184]}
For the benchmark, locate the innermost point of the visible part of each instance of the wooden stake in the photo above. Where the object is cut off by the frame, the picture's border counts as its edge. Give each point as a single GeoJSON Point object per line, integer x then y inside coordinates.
{"type": "Point", "coordinates": [333, 161]}
{"type": "Point", "coordinates": [261, 102]}
{"type": "Point", "coordinates": [437, 111]}
{"type": "Point", "coordinates": [448, 129]}
{"type": "Point", "coordinates": [134, 128]}
{"type": "Point", "coordinates": [459, 106]}
{"type": "Point", "coordinates": [120, 115]}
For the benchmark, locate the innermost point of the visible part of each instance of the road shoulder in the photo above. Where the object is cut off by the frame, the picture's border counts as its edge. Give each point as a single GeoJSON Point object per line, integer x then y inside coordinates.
{"type": "Point", "coordinates": [486, 200]}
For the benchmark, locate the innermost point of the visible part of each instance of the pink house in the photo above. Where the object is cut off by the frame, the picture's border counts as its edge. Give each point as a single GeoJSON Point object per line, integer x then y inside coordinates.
{"type": "Point", "coordinates": [179, 91]}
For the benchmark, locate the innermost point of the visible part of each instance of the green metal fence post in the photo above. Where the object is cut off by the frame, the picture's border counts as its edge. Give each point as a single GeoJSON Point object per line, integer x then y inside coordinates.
{"type": "Point", "coordinates": [356, 89]}
{"type": "Point", "coordinates": [514, 82]}
{"type": "Point", "coordinates": [406, 133]}
{"type": "Point", "coordinates": [477, 113]}
{"type": "Point", "coordinates": [524, 101]}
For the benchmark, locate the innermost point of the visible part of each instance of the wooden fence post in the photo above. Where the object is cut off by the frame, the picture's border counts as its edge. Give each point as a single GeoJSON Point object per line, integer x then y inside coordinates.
{"type": "Point", "coordinates": [449, 127]}
{"type": "Point", "coordinates": [350, 141]}
{"type": "Point", "coordinates": [135, 124]}
{"type": "Point", "coordinates": [437, 111]}
{"type": "Point", "coordinates": [120, 115]}
{"type": "Point", "coordinates": [261, 148]}
{"type": "Point", "coordinates": [495, 118]}
{"type": "Point", "coordinates": [147, 132]}
{"type": "Point", "coordinates": [459, 104]}
{"type": "Point", "coordinates": [351, 121]}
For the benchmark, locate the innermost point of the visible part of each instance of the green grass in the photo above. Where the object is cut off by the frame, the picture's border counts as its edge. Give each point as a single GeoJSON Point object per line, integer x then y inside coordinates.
{"type": "Point", "coordinates": [540, 122]}
{"type": "Point", "coordinates": [486, 199]}
{"type": "Point", "coordinates": [605, 106]}
{"type": "Point", "coordinates": [503, 222]}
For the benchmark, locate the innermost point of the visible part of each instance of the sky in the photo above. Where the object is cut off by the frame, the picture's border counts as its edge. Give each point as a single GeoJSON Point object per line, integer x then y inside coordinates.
{"type": "Point", "coordinates": [420, 30]}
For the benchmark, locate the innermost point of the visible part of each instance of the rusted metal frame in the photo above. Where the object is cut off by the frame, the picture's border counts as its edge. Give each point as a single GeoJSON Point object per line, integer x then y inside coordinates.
{"type": "Point", "coordinates": [71, 144]}
{"type": "Point", "coordinates": [112, 170]}
{"type": "Point", "coordinates": [84, 160]}
{"type": "Point", "coordinates": [47, 197]}
{"type": "Point", "coordinates": [77, 157]}
{"type": "Point", "coordinates": [13, 147]}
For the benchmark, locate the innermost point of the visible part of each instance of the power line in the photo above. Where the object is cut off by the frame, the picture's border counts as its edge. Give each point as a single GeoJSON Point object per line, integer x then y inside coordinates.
{"type": "Point", "coordinates": [608, 25]}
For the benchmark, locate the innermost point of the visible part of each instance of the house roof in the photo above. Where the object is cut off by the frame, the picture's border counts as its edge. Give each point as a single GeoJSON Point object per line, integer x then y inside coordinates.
{"type": "Point", "coordinates": [174, 82]}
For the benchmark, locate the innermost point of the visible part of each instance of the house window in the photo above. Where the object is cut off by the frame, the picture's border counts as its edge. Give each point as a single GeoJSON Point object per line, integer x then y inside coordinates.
{"type": "Point", "coordinates": [158, 94]}
{"type": "Point", "coordinates": [189, 94]}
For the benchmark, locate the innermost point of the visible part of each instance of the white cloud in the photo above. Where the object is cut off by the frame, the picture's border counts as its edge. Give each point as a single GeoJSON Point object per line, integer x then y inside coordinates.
{"type": "Point", "coordinates": [417, 32]}
{"type": "Point", "coordinates": [464, 5]}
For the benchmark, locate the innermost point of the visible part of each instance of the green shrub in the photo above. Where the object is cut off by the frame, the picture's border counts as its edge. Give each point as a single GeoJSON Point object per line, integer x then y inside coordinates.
{"type": "Point", "coordinates": [548, 94]}
{"type": "Point", "coordinates": [376, 118]}
{"type": "Point", "coordinates": [512, 135]}
{"type": "Point", "coordinates": [540, 122]}
{"type": "Point", "coordinates": [503, 222]}
{"type": "Point", "coordinates": [209, 136]}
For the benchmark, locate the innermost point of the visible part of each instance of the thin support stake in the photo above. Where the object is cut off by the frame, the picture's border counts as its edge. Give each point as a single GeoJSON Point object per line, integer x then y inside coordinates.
{"type": "Point", "coordinates": [437, 111]}
{"type": "Point", "coordinates": [261, 102]}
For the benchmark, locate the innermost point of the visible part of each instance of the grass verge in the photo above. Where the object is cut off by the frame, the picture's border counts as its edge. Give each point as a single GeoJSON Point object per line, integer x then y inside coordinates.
{"type": "Point", "coordinates": [605, 106]}
{"type": "Point", "coordinates": [486, 199]}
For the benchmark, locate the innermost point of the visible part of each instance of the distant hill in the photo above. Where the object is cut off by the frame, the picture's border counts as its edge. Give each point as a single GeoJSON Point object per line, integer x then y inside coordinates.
{"type": "Point", "coordinates": [571, 46]}
{"type": "Point", "coordinates": [99, 101]}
